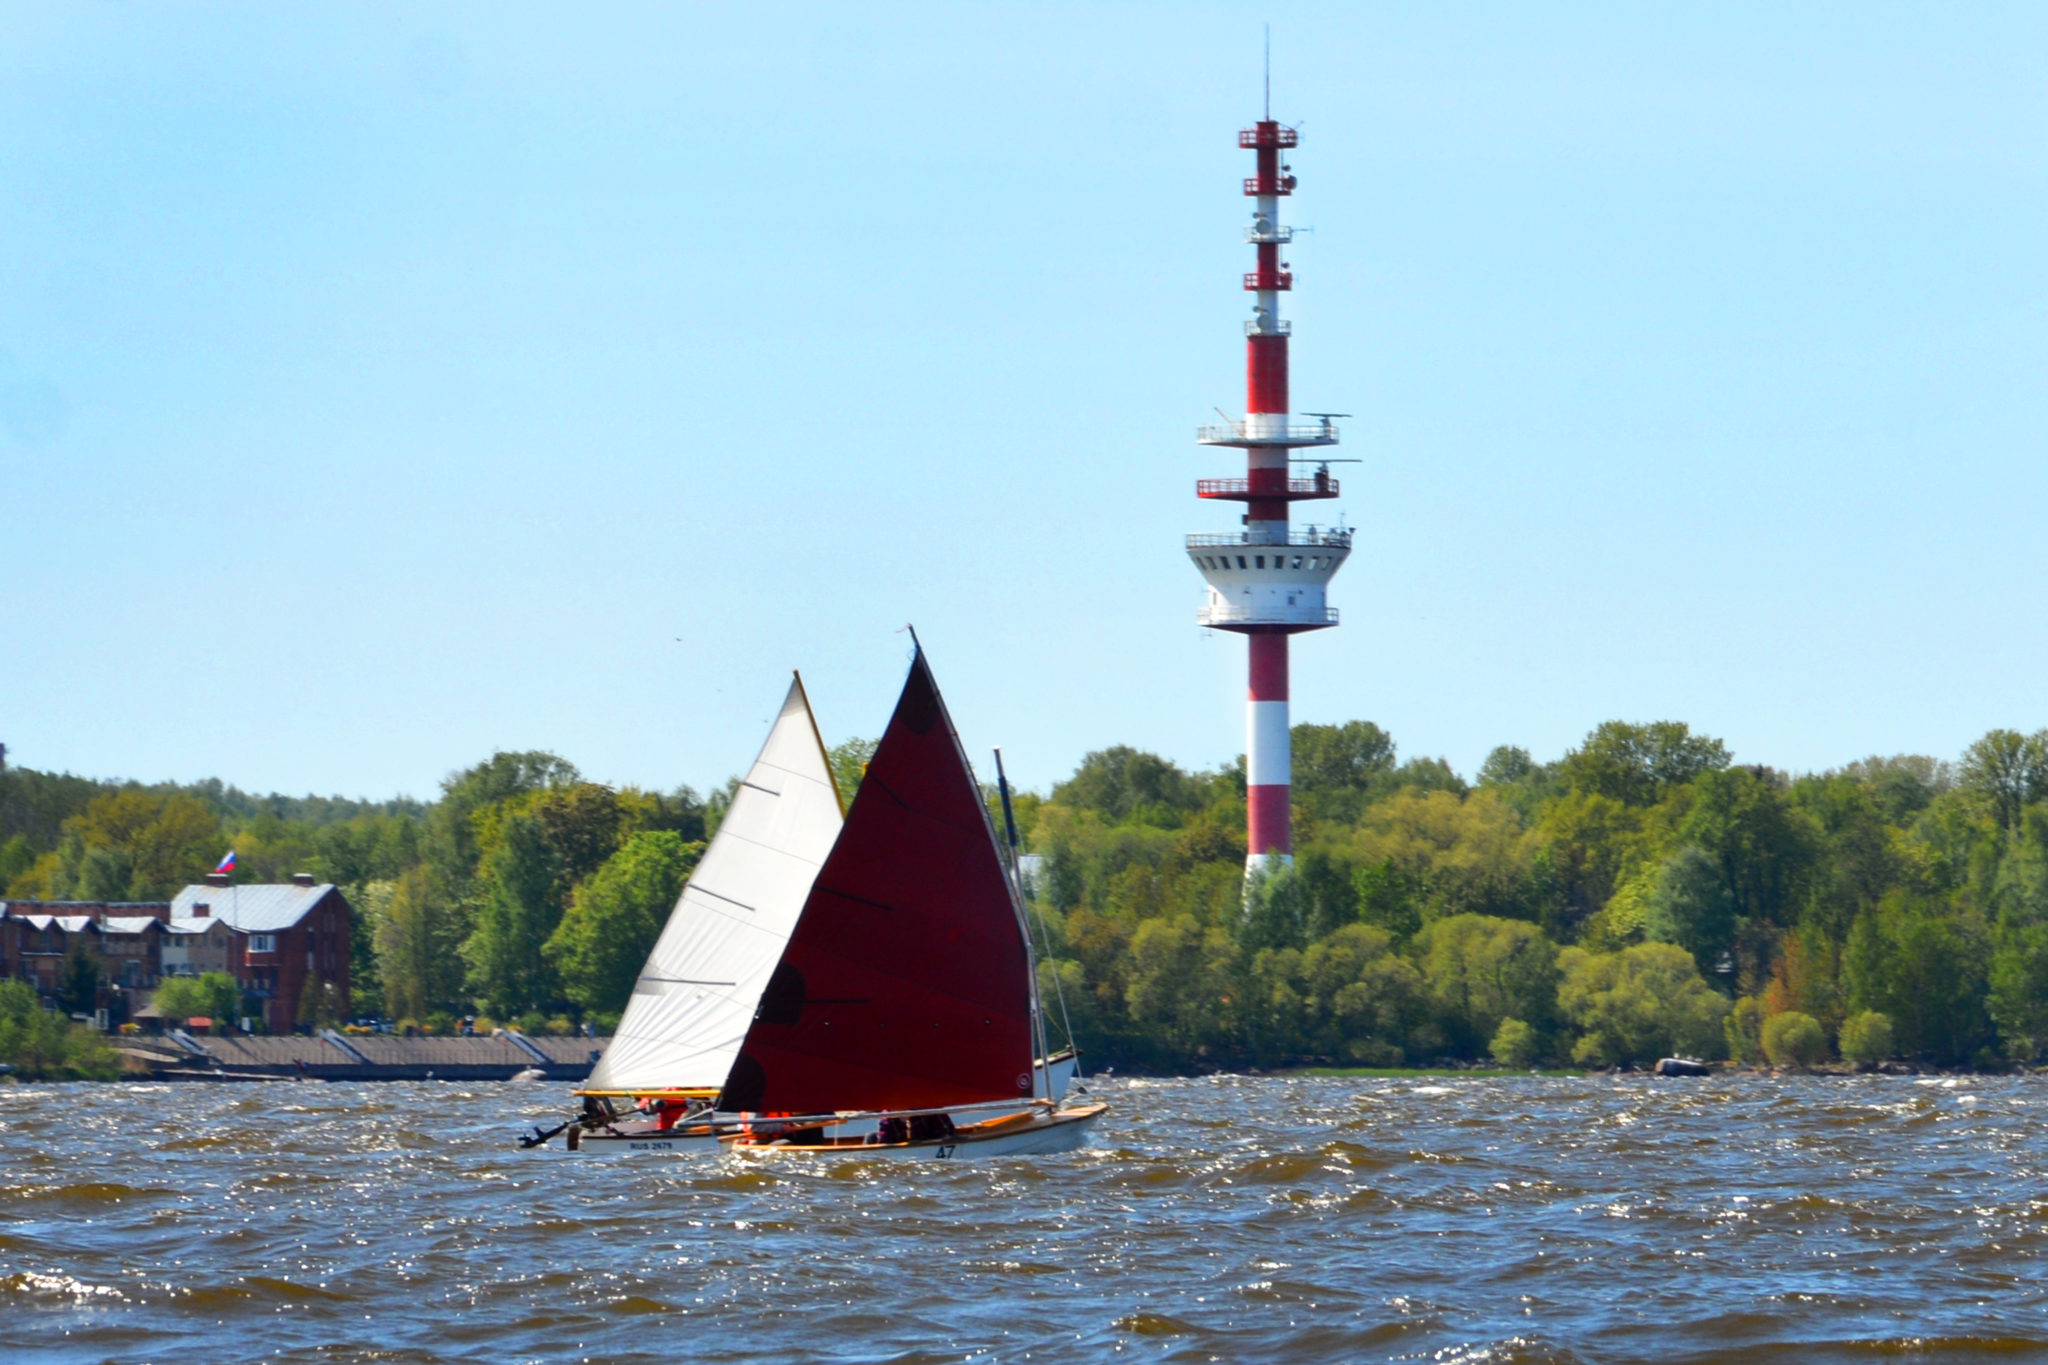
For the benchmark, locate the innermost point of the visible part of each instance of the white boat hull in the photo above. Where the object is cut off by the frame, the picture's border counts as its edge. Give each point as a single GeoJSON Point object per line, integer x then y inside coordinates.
{"type": "Point", "coordinates": [1025, 1134]}
{"type": "Point", "coordinates": [1030, 1134]}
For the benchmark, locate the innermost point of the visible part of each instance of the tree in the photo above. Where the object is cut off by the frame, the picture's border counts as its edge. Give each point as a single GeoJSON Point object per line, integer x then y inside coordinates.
{"type": "Point", "coordinates": [452, 844]}
{"type": "Point", "coordinates": [417, 937]}
{"type": "Point", "coordinates": [211, 996]}
{"type": "Point", "coordinates": [1792, 1039]}
{"type": "Point", "coordinates": [1120, 781]}
{"type": "Point", "coordinates": [1180, 983]}
{"type": "Point", "coordinates": [41, 1044]}
{"type": "Point", "coordinates": [1744, 1030]}
{"type": "Point", "coordinates": [1925, 969]}
{"type": "Point", "coordinates": [1763, 846]}
{"type": "Point", "coordinates": [1275, 910]}
{"type": "Point", "coordinates": [1481, 971]}
{"type": "Point", "coordinates": [1335, 766]}
{"type": "Point", "coordinates": [180, 998]}
{"type": "Point", "coordinates": [1638, 1004]}
{"type": "Point", "coordinates": [1866, 1039]}
{"type": "Point", "coordinates": [1637, 764]}
{"type": "Point", "coordinates": [135, 844]}
{"type": "Point", "coordinates": [1690, 905]}
{"type": "Point", "coordinates": [849, 760]}
{"type": "Point", "coordinates": [1514, 1044]}
{"type": "Point", "coordinates": [2010, 769]}
{"type": "Point", "coordinates": [615, 917]}
{"type": "Point", "coordinates": [2018, 998]}
{"type": "Point", "coordinates": [1504, 764]}
{"type": "Point", "coordinates": [80, 979]}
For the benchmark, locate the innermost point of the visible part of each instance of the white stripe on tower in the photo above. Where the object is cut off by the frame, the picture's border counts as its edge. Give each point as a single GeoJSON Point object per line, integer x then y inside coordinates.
{"type": "Point", "coordinates": [1268, 755]}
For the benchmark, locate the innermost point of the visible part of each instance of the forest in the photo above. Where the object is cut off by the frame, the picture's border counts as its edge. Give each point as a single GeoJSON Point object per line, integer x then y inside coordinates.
{"type": "Point", "coordinates": [1641, 895]}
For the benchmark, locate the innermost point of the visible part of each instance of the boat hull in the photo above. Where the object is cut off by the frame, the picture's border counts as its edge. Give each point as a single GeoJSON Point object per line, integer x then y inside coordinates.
{"type": "Point", "coordinates": [1028, 1134]}
{"type": "Point", "coordinates": [678, 1141]}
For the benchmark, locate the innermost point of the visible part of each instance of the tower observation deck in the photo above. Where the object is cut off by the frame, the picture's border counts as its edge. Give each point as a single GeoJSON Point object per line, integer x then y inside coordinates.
{"type": "Point", "coordinates": [1269, 580]}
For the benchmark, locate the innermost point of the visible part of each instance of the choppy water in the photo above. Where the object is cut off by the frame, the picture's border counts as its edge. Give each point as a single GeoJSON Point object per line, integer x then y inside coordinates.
{"type": "Point", "coordinates": [1235, 1219]}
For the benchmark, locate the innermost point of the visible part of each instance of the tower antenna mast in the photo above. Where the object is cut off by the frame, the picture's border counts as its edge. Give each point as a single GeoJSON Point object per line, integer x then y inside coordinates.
{"type": "Point", "coordinates": [1269, 581]}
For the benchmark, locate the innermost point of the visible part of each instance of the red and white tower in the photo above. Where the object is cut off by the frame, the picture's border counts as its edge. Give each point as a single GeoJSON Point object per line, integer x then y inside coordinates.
{"type": "Point", "coordinates": [1267, 582]}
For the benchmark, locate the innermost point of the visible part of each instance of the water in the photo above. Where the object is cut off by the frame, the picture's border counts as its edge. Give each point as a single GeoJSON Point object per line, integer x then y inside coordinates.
{"type": "Point", "coordinates": [1233, 1219]}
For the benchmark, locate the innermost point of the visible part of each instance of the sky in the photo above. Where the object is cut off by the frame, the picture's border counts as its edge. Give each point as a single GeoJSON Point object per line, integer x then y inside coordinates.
{"type": "Point", "coordinates": [385, 385]}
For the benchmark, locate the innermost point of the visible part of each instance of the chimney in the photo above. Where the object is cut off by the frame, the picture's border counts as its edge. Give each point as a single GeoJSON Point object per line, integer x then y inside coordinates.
{"type": "Point", "coordinates": [216, 879]}
{"type": "Point", "coordinates": [302, 879]}
{"type": "Point", "coordinates": [201, 909]}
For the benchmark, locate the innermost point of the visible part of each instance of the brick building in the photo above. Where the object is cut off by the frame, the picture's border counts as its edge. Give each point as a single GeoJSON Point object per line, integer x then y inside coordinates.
{"type": "Point", "coordinates": [290, 935]}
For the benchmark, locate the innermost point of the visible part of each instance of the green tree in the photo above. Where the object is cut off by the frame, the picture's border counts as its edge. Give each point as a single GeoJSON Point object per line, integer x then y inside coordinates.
{"type": "Point", "coordinates": [1180, 984]}
{"type": "Point", "coordinates": [615, 917]}
{"type": "Point", "coordinates": [1638, 1004]}
{"type": "Point", "coordinates": [1122, 781]}
{"type": "Point", "coordinates": [850, 760]}
{"type": "Point", "coordinates": [1925, 969]}
{"type": "Point", "coordinates": [1792, 1039]}
{"type": "Point", "coordinates": [1481, 971]}
{"type": "Point", "coordinates": [2018, 998]}
{"type": "Point", "coordinates": [518, 909]}
{"type": "Point", "coordinates": [1690, 905]}
{"type": "Point", "coordinates": [1866, 1039]}
{"type": "Point", "coordinates": [2010, 770]}
{"type": "Point", "coordinates": [179, 998]}
{"type": "Point", "coordinates": [41, 1044]}
{"type": "Point", "coordinates": [1763, 846]}
{"type": "Point", "coordinates": [1515, 1044]}
{"type": "Point", "coordinates": [1336, 766]}
{"type": "Point", "coordinates": [1637, 764]}
{"type": "Point", "coordinates": [80, 979]}
{"type": "Point", "coordinates": [1744, 1030]}
{"type": "Point", "coordinates": [417, 937]}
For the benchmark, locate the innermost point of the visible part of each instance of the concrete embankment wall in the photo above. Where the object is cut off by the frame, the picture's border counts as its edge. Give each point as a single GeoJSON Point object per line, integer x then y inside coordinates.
{"type": "Point", "coordinates": [377, 1057]}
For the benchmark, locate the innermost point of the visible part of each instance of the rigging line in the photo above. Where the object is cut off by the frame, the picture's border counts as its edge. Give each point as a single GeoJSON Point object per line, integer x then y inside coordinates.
{"type": "Point", "coordinates": [705, 890]}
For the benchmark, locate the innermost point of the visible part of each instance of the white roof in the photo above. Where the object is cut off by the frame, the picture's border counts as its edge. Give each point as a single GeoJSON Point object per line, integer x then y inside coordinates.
{"type": "Point", "coordinates": [129, 924]}
{"type": "Point", "coordinates": [261, 909]}
{"type": "Point", "coordinates": [70, 924]}
{"type": "Point", "coordinates": [201, 925]}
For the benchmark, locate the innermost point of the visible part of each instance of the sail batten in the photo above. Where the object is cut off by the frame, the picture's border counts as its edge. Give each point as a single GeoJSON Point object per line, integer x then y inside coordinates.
{"type": "Point", "coordinates": [905, 984]}
{"type": "Point", "coordinates": [696, 995]}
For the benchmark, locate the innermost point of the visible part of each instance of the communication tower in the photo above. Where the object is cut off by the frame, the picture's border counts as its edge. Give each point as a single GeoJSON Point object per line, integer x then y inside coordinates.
{"type": "Point", "coordinates": [1267, 582]}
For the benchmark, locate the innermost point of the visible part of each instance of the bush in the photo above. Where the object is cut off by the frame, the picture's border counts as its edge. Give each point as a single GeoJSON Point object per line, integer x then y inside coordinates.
{"type": "Point", "coordinates": [1794, 1039]}
{"type": "Point", "coordinates": [1514, 1043]}
{"type": "Point", "coordinates": [1866, 1039]}
{"type": "Point", "coordinates": [560, 1026]}
{"type": "Point", "coordinates": [483, 1024]}
{"type": "Point", "coordinates": [1639, 1004]}
{"type": "Point", "coordinates": [531, 1022]}
{"type": "Point", "coordinates": [1745, 1029]}
{"type": "Point", "coordinates": [440, 1023]}
{"type": "Point", "coordinates": [42, 1044]}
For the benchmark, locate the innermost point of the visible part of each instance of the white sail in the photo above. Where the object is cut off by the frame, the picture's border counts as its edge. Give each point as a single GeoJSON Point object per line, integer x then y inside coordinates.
{"type": "Point", "coordinates": [690, 1009]}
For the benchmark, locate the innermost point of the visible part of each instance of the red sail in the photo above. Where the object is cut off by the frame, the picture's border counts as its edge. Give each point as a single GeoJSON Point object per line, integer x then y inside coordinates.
{"type": "Point", "coordinates": [905, 984]}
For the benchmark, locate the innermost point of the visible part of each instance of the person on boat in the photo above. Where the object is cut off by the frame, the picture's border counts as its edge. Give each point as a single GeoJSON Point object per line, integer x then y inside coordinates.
{"type": "Point", "coordinates": [931, 1128]}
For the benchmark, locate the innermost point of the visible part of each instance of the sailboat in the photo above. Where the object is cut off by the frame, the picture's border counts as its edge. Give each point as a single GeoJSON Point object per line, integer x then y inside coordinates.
{"type": "Point", "coordinates": [900, 1016]}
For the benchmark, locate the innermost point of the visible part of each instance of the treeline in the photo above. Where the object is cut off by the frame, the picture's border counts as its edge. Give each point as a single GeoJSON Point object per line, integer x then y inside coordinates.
{"type": "Point", "coordinates": [523, 893]}
{"type": "Point", "coordinates": [1640, 895]}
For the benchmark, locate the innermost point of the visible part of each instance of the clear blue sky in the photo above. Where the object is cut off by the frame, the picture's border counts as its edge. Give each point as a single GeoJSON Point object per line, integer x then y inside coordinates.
{"type": "Point", "coordinates": [384, 385]}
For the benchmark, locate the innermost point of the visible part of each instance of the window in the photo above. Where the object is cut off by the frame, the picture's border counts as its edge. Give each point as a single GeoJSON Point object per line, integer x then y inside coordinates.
{"type": "Point", "coordinates": [1240, 561]}
{"type": "Point", "coordinates": [262, 943]}
{"type": "Point", "coordinates": [1261, 560]}
{"type": "Point", "coordinates": [1297, 561]}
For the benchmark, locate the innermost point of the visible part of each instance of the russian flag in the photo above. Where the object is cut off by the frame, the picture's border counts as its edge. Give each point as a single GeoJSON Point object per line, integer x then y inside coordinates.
{"type": "Point", "coordinates": [227, 864]}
